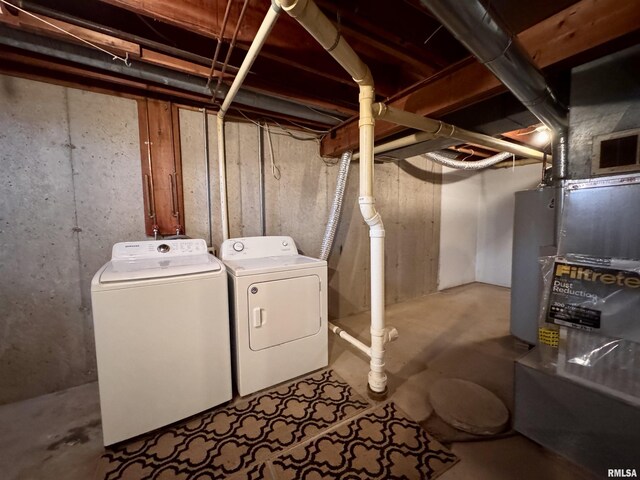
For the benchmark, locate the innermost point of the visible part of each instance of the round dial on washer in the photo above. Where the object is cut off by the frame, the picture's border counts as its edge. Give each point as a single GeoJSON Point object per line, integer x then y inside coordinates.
{"type": "Point", "coordinates": [238, 246]}
{"type": "Point", "coordinates": [163, 248]}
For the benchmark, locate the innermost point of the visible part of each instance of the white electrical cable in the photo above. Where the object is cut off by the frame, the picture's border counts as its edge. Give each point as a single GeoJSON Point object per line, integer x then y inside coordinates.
{"type": "Point", "coordinates": [275, 170]}
{"type": "Point", "coordinates": [124, 59]}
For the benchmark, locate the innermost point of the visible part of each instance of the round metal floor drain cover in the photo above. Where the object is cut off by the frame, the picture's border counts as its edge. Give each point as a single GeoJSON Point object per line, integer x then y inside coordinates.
{"type": "Point", "coordinates": [468, 407]}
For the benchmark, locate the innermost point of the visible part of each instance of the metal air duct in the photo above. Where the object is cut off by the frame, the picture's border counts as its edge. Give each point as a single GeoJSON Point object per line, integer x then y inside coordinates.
{"type": "Point", "coordinates": [500, 51]}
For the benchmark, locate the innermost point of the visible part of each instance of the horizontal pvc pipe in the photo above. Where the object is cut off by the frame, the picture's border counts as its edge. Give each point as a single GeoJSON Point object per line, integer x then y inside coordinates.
{"type": "Point", "coordinates": [399, 143]}
{"type": "Point", "coordinates": [441, 129]}
{"type": "Point", "coordinates": [350, 338]}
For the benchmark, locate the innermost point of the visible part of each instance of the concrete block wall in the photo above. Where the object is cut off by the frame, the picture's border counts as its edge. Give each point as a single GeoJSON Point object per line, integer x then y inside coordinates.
{"type": "Point", "coordinates": [70, 187]}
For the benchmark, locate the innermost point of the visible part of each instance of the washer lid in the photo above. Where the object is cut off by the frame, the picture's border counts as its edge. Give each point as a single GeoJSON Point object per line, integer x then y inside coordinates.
{"type": "Point", "coordinates": [256, 266]}
{"type": "Point", "coordinates": [126, 270]}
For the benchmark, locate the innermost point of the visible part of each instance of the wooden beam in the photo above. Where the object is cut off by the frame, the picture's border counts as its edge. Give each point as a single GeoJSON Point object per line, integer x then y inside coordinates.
{"type": "Point", "coordinates": [197, 16]}
{"type": "Point", "coordinates": [113, 44]}
{"type": "Point", "coordinates": [157, 58]}
{"type": "Point", "coordinates": [573, 31]}
{"type": "Point", "coordinates": [353, 25]}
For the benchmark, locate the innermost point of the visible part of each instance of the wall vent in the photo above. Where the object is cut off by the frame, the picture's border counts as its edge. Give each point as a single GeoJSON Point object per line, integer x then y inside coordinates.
{"type": "Point", "coordinates": [616, 152]}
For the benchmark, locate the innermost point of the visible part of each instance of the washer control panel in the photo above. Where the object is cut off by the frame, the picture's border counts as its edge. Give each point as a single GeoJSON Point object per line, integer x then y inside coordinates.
{"type": "Point", "coordinates": [158, 249]}
{"type": "Point", "coordinates": [257, 247]}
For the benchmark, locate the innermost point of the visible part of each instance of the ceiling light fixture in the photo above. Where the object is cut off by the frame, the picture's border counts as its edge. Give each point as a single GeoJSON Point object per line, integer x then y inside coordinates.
{"type": "Point", "coordinates": [542, 137]}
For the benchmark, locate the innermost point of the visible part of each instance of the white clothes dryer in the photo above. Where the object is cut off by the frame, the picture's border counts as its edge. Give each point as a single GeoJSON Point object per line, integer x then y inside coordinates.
{"type": "Point", "coordinates": [278, 303]}
{"type": "Point", "coordinates": [161, 318]}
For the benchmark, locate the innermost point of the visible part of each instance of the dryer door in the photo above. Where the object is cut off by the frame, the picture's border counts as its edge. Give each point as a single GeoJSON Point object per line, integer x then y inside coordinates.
{"type": "Point", "coordinates": [281, 311]}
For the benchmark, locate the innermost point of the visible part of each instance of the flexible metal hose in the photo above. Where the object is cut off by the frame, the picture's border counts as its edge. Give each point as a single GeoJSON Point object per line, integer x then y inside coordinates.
{"type": "Point", "coordinates": [336, 208]}
{"type": "Point", "coordinates": [443, 159]}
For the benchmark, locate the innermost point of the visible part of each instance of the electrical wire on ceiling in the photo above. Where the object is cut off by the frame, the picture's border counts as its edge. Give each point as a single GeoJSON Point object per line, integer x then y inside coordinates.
{"type": "Point", "coordinates": [286, 131]}
{"type": "Point", "coordinates": [432, 35]}
{"type": "Point", "coordinates": [113, 56]}
{"type": "Point", "coordinates": [223, 27]}
{"type": "Point", "coordinates": [230, 49]}
{"type": "Point", "coordinates": [329, 162]}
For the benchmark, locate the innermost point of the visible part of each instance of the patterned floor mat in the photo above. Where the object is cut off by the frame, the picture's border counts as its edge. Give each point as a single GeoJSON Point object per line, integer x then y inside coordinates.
{"type": "Point", "coordinates": [225, 441]}
{"type": "Point", "coordinates": [381, 444]}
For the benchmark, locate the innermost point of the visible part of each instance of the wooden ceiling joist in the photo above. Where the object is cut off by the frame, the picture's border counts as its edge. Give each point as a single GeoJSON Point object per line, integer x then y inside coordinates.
{"type": "Point", "coordinates": [288, 43]}
{"type": "Point", "coordinates": [575, 30]}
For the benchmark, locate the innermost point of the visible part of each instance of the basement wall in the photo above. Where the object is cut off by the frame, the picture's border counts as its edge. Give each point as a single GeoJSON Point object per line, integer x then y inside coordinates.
{"type": "Point", "coordinates": [476, 236]}
{"type": "Point", "coordinates": [71, 188]}
{"type": "Point", "coordinates": [407, 194]}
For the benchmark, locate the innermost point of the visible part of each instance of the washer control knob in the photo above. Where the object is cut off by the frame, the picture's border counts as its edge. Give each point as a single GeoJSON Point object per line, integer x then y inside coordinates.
{"type": "Point", "coordinates": [163, 248]}
{"type": "Point", "coordinates": [238, 246]}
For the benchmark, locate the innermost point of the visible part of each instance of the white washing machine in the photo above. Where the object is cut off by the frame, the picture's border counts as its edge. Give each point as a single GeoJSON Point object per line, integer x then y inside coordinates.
{"type": "Point", "coordinates": [278, 302]}
{"type": "Point", "coordinates": [161, 318]}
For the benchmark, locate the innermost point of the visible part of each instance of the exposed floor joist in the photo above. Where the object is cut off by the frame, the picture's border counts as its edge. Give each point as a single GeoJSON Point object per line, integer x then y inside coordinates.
{"type": "Point", "coordinates": [575, 30]}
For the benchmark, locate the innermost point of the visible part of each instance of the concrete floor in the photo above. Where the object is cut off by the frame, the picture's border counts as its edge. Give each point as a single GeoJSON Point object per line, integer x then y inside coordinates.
{"type": "Point", "coordinates": [462, 333]}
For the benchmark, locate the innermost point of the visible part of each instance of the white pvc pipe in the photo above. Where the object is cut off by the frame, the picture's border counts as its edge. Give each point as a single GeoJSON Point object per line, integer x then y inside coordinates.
{"type": "Point", "coordinates": [350, 338]}
{"type": "Point", "coordinates": [258, 41]}
{"type": "Point", "coordinates": [377, 377]}
{"type": "Point", "coordinates": [320, 27]}
{"type": "Point", "coordinates": [399, 143]}
{"type": "Point", "coordinates": [445, 130]}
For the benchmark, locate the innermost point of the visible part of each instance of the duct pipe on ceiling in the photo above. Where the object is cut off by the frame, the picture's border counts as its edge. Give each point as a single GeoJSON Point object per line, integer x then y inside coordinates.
{"type": "Point", "coordinates": [441, 129]}
{"type": "Point", "coordinates": [444, 158]}
{"type": "Point", "coordinates": [500, 51]}
{"type": "Point", "coordinates": [307, 13]}
{"type": "Point", "coordinates": [151, 73]}
{"type": "Point", "coordinates": [258, 41]}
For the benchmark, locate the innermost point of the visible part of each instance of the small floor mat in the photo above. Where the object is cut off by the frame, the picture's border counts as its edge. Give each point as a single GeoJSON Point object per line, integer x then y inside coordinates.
{"type": "Point", "coordinates": [236, 438]}
{"type": "Point", "coordinates": [381, 444]}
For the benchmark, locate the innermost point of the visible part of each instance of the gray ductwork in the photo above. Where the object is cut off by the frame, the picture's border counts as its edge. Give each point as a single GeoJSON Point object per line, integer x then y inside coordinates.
{"type": "Point", "coordinates": [500, 51]}
{"type": "Point", "coordinates": [152, 73]}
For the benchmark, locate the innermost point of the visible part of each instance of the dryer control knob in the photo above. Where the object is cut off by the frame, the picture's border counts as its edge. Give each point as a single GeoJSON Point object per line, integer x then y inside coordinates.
{"type": "Point", "coordinates": [238, 246]}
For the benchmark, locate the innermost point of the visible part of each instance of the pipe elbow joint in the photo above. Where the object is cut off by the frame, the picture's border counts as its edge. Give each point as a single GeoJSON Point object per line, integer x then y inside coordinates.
{"type": "Point", "coordinates": [293, 7]}
{"type": "Point", "coordinates": [366, 80]}
{"type": "Point", "coordinates": [371, 216]}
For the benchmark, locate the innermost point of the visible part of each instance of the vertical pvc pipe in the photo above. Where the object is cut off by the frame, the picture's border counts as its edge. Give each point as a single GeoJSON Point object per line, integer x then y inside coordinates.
{"type": "Point", "coordinates": [222, 173]}
{"type": "Point", "coordinates": [320, 27]}
{"type": "Point", "coordinates": [377, 376]}
{"type": "Point", "coordinates": [207, 170]}
{"type": "Point", "coordinates": [263, 213]}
